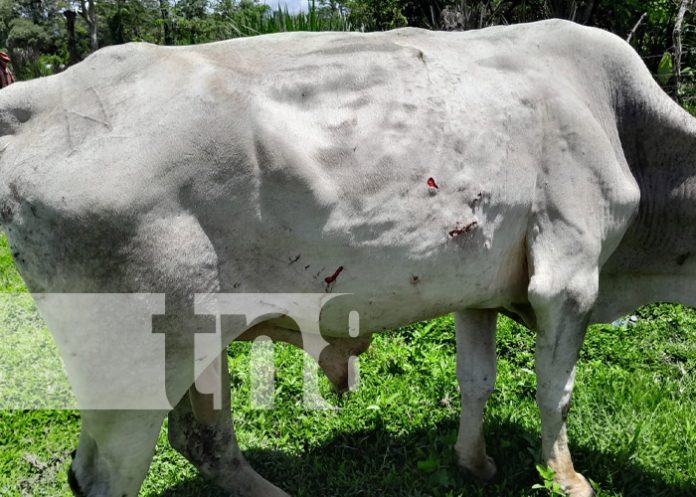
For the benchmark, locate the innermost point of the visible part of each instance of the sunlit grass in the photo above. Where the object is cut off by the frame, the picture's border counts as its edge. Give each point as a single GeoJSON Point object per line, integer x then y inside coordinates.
{"type": "Point", "coordinates": [252, 23]}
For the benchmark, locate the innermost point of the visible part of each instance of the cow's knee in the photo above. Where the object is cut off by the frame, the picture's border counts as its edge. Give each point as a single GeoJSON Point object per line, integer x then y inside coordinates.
{"type": "Point", "coordinates": [477, 390]}
{"type": "Point", "coordinates": [203, 443]}
{"type": "Point", "coordinates": [555, 296]}
{"type": "Point", "coordinates": [211, 446]}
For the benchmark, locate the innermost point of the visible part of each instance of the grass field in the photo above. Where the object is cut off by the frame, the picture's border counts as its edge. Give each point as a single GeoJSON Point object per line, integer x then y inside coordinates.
{"type": "Point", "coordinates": [632, 427]}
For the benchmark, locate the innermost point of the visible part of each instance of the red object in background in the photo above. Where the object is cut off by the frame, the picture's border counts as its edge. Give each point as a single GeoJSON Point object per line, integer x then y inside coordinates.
{"type": "Point", "coordinates": [6, 77]}
{"type": "Point", "coordinates": [432, 184]}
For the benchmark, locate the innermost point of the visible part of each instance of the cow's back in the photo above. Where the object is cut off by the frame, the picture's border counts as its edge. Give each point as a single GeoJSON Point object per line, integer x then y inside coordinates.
{"type": "Point", "coordinates": [287, 157]}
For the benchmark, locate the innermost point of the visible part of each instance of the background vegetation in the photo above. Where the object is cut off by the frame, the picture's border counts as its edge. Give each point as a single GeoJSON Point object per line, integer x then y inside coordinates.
{"type": "Point", "coordinates": [45, 36]}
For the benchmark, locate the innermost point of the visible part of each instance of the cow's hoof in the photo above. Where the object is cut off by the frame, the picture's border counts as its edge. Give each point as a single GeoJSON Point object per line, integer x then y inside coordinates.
{"type": "Point", "coordinates": [483, 469]}
{"type": "Point", "coordinates": [576, 486]}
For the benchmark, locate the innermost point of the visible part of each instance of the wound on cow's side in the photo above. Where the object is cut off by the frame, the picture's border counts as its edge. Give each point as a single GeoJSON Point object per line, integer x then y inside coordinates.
{"type": "Point", "coordinates": [329, 280]}
{"type": "Point", "coordinates": [461, 231]}
{"type": "Point", "coordinates": [332, 278]}
{"type": "Point", "coordinates": [432, 186]}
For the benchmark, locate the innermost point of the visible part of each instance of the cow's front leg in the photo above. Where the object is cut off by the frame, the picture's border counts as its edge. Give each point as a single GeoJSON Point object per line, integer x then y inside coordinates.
{"type": "Point", "coordinates": [205, 436]}
{"type": "Point", "coordinates": [114, 452]}
{"type": "Point", "coordinates": [562, 306]}
{"type": "Point", "coordinates": [476, 375]}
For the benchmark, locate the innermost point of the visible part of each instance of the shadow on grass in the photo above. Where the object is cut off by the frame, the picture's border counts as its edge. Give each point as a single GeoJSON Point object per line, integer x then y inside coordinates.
{"type": "Point", "coordinates": [422, 463]}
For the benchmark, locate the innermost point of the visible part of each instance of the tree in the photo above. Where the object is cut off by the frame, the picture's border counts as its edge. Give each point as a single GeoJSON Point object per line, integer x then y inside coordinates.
{"type": "Point", "coordinates": [25, 42]}
{"type": "Point", "coordinates": [73, 55]}
{"type": "Point", "coordinates": [166, 22]}
{"type": "Point", "coordinates": [370, 15]}
{"type": "Point", "coordinates": [677, 39]}
{"type": "Point", "coordinates": [7, 14]}
{"type": "Point", "coordinates": [46, 29]}
{"type": "Point", "coordinates": [88, 12]}
{"type": "Point", "coordinates": [122, 21]}
{"type": "Point", "coordinates": [191, 21]}
{"type": "Point", "coordinates": [574, 10]}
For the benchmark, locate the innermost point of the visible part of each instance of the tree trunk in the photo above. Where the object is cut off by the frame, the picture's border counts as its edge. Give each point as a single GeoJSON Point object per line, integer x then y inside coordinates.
{"type": "Point", "coordinates": [73, 56]}
{"type": "Point", "coordinates": [89, 14]}
{"type": "Point", "coordinates": [579, 11]}
{"type": "Point", "coordinates": [36, 10]}
{"type": "Point", "coordinates": [164, 12]}
{"type": "Point", "coordinates": [585, 12]}
{"type": "Point", "coordinates": [677, 39]}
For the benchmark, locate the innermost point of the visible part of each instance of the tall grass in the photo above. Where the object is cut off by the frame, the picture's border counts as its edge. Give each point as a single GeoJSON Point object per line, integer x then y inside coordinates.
{"type": "Point", "coordinates": [281, 20]}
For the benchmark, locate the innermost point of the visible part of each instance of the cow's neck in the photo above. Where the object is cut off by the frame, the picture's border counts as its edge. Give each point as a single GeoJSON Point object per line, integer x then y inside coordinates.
{"type": "Point", "coordinates": [658, 251]}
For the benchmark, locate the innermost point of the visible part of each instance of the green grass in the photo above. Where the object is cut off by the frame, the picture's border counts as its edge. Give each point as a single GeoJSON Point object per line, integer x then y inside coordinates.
{"type": "Point", "coordinates": [632, 427]}
{"type": "Point", "coordinates": [280, 20]}
{"type": "Point", "coordinates": [252, 22]}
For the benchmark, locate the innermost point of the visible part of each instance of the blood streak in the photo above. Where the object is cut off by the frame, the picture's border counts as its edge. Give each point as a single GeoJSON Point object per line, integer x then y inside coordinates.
{"type": "Point", "coordinates": [465, 229]}
{"type": "Point", "coordinates": [332, 278]}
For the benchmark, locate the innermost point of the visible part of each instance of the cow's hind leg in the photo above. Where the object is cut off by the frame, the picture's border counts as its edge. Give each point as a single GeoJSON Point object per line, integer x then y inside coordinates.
{"type": "Point", "coordinates": [476, 375]}
{"type": "Point", "coordinates": [114, 452]}
{"type": "Point", "coordinates": [562, 293]}
{"type": "Point", "coordinates": [205, 436]}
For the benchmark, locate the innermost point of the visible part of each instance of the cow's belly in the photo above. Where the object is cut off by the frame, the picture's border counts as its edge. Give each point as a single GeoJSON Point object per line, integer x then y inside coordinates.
{"type": "Point", "coordinates": [388, 284]}
{"type": "Point", "coordinates": [389, 280]}
{"type": "Point", "coordinates": [391, 293]}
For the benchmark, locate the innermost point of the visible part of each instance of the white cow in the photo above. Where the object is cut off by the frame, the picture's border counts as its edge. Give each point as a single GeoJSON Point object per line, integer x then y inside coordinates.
{"type": "Point", "coordinates": [535, 169]}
